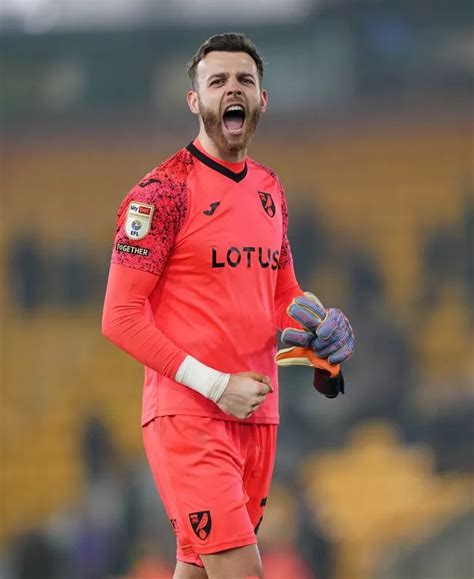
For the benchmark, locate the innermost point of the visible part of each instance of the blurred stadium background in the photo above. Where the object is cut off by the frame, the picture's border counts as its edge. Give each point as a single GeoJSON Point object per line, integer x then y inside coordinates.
{"type": "Point", "coordinates": [370, 129]}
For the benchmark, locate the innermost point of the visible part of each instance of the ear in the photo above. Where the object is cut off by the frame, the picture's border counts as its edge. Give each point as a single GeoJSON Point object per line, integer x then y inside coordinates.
{"type": "Point", "coordinates": [193, 102]}
{"type": "Point", "coordinates": [263, 100]}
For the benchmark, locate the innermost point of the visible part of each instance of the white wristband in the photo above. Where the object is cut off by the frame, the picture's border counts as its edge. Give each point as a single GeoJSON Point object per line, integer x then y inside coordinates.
{"type": "Point", "coordinates": [205, 380]}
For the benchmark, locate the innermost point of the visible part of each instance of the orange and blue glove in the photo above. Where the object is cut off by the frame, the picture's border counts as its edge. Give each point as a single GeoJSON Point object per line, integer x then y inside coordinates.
{"type": "Point", "coordinates": [326, 340]}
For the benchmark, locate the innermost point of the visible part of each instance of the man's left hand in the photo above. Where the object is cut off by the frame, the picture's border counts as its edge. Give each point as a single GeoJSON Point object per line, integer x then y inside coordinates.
{"type": "Point", "coordinates": [326, 331]}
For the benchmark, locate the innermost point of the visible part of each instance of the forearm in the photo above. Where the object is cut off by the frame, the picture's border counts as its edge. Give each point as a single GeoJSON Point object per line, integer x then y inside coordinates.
{"type": "Point", "coordinates": [124, 323]}
{"type": "Point", "coordinates": [287, 289]}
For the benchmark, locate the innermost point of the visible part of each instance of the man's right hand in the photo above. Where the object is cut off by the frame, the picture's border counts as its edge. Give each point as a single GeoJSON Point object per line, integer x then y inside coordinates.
{"type": "Point", "coordinates": [244, 394]}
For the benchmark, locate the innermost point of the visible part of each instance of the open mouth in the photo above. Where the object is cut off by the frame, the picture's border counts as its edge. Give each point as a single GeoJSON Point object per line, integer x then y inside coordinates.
{"type": "Point", "coordinates": [234, 118]}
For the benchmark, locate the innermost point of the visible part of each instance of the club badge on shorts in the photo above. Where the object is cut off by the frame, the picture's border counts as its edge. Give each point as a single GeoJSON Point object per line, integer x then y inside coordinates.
{"type": "Point", "coordinates": [201, 523]}
{"type": "Point", "coordinates": [138, 222]}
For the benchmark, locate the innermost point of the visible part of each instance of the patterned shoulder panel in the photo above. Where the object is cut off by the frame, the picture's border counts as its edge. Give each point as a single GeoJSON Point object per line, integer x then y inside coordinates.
{"type": "Point", "coordinates": [264, 168]}
{"type": "Point", "coordinates": [286, 258]}
{"type": "Point", "coordinates": [163, 198]}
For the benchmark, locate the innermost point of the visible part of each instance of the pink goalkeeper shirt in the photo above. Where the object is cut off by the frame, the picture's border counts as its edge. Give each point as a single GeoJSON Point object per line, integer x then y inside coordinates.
{"type": "Point", "coordinates": [201, 265]}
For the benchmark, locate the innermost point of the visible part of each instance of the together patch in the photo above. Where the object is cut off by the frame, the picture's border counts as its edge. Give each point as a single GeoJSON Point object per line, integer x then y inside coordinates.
{"type": "Point", "coordinates": [133, 249]}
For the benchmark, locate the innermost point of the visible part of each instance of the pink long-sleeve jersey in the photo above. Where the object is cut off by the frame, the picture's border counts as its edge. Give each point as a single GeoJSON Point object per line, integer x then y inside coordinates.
{"type": "Point", "coordinates": [201, 265]}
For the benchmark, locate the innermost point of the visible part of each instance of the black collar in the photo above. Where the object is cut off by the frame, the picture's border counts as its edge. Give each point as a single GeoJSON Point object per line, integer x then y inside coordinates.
{"type": "Point", "coordinates": [237, 177]}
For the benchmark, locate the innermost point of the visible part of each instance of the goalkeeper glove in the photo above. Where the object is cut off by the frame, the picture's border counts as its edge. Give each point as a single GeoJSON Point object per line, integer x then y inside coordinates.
{"type": "Point", "coordinates": [327, 332]}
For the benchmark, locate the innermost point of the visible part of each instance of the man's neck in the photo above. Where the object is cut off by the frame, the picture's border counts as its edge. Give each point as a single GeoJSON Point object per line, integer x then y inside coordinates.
{"type": "Point", "coordinates": [210, 147]}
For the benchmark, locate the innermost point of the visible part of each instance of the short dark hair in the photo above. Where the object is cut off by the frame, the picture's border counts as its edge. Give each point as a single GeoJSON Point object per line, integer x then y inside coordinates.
{"type": "Point", "coordinates": [227, 42]}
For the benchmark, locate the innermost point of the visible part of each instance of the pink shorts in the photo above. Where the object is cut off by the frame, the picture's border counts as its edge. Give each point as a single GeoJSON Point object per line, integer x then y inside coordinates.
{"type": "Point", "coordinates": [213, 477]}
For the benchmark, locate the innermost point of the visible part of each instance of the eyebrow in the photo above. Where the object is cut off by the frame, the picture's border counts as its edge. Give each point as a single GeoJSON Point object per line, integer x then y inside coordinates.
{"type": "Point", "coordinates": [225, 75]}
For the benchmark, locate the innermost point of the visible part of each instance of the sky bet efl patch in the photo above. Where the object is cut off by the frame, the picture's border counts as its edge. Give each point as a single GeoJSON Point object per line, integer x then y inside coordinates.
{"type": "Point", "coordinates": [138, 220]}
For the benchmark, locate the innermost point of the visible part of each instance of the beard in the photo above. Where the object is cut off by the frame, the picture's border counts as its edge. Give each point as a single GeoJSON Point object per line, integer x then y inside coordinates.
{"type": "Point", "coordinates": [226, 143]}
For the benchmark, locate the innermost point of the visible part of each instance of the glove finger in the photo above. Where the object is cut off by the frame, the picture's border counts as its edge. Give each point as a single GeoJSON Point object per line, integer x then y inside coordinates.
{"type": "Point", "coordinates": [330, 348]}
{"type": "Point", "coordinates": [337, 337]}
{"type": "Point", "coordinates": [342, 355]}
{"type": "Point", "coordinates": [334, 320]}
{"type": "Point", "coordinates": [312, 304]}
{"type": "Point", "coordinates": [293, 337]}
{"type": "Point", "coordinates": [309, 319]}
{"type": "Point", "coordinates": [310, 296]}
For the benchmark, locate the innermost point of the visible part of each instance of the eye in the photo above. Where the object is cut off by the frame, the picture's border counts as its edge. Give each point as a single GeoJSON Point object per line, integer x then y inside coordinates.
{"type": "Point", "coordinates": [216, 82]}
{"type": "Point", "coordinates": [248, 80]}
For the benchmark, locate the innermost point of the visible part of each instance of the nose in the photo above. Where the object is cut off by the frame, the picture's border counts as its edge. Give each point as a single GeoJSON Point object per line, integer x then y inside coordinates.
{"type": "Point", "coordinates": [233, 88]}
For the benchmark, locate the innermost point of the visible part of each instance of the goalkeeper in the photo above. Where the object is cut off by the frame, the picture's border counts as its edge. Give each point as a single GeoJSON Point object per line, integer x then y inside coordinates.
{"type": "Point", "coordinates": [200, 280]}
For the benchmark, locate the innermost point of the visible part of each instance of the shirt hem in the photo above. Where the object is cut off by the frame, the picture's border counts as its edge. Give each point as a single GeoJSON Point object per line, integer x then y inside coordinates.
{"type": "Point", "coordinates": [259, 420]}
